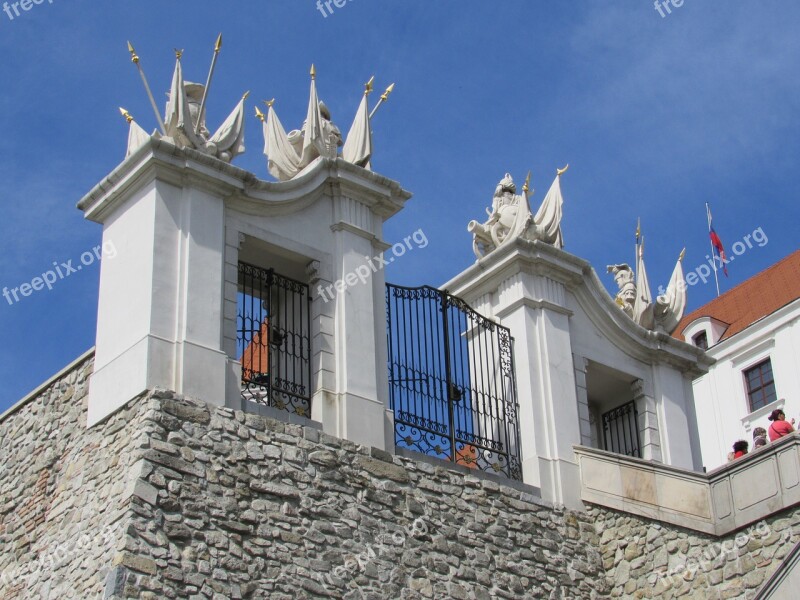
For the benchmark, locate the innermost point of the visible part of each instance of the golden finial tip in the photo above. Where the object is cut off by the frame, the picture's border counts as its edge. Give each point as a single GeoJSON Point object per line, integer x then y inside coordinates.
{"type": "Point", "coordinates": [683, 253]}
{"type": "Point", "coordinates": [388, 91]}
{"type": "Point", "coordinates": [218, 44]}
{"type": "Point", "coordinates": [125, 114]}
{"type": "Point", "coordinates": [560, 172]}
{"type": "Point", "coordinates": [369, 85]}
{"type": "Point", "coordinates": [313, 72]}
{"type": "Point", "coordinates": [260, 115]}
{"type": "Point", "coordinates": [269, 103]}
{"type": "Point", "coordinates": [245, 95]}
{"type": "Point", "coordinates": [526, 187]}
{"type": "Point", "coordinates": [134, 56]}
{"type": "Point", "coordinates": [178, 53]}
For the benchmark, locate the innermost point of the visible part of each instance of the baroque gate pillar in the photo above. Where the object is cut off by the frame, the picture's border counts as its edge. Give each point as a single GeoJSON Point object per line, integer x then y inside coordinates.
{"type": "Point", "coordinates": [526, 282]}
{"type": "Point", "coordinates": [183, 225]}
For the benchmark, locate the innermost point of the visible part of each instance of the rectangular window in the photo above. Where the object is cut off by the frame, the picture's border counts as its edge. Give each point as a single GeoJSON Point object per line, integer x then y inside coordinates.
{"type": "Point", "coordinates": [760, 385]}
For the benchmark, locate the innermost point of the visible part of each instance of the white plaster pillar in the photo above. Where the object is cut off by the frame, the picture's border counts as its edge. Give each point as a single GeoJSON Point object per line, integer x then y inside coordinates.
{"type": "Point", "coordinates": [533, 306]}
{"type": "Point", "coordinates": [160, 303]}
{"type": "Point", "coordinates": [359, 319]}
{"type": "Point", "coordinates": [649, 436]}
{"type": "Point", "coordinates": [671, 404]}
{"type": "Point", "coordinates": [584, 416]}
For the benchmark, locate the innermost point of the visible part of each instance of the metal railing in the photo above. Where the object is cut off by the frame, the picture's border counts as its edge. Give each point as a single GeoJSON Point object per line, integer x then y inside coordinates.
{"type": "Point", "coordinates": [621, 430]}
{"type": "Point", "coordinates": [451, 381]}
{"type": "Point", "coordinates": [273, 339]}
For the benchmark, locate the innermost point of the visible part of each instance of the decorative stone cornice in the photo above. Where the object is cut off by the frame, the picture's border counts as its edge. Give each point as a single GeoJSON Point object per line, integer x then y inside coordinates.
{"type": "Point", "coordinates": [159, 159]}
{"type": "Point", "coordinates": [579, 278]}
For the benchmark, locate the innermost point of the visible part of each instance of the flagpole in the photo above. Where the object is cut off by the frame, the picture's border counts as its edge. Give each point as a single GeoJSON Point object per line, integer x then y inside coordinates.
{"type": "Point", "coordinates": [217, 48]}
{"type": "Point", "coordinates": [713, 262]}
{"type": "Point", "coordinates": [135, 60]}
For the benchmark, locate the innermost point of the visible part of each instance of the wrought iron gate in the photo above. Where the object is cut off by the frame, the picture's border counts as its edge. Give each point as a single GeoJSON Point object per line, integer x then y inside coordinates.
{"type": "Point", "coordinates": [621, 430]}
{"type": "Point", "coordinates": [273, 333]}
{"type": "Point", "coordinates": [451, 381]}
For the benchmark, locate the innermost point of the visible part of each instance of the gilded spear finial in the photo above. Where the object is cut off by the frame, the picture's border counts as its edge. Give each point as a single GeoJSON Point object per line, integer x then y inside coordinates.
{"type": "Point", "coordinates": [560, 172]}
{"type": "Point", "coordinates": [260, 115]}
{"type": "Point", "coordinates": [269, 103]}
{"type": "Point", "coordinates": [126, 114]}
{"type": "Point", "coordinates": [369, 86]}
{"type": "Point", "coordinates": [245, 95]}
{"type": "Point", "coordinates": [526, 187]}
{"type": "Point", "coordinates": [683, 253]}
{"type": "Point", "coordinates": [218, 45]}
{"type": "Point", "coordinates": [313, 72]}
{"type": "Point", "coordinates": [179, 53]}
{"type": "Point", "coordinates": [385, 95]}
{"type": "Point", "coordinates": [134, 56]}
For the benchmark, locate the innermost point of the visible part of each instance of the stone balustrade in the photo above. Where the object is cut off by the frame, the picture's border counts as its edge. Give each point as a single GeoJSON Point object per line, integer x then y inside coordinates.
{"type": "Point", "coordinates": [764, 482]}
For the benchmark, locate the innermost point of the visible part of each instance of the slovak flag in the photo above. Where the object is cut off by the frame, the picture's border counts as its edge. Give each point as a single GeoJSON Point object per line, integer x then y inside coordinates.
{"type": "Point", "coordinates": [717, 243]}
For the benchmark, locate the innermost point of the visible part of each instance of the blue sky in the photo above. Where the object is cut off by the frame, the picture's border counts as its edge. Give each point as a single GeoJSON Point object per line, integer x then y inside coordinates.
{"type": "Point", "coordinates": [656, 116]}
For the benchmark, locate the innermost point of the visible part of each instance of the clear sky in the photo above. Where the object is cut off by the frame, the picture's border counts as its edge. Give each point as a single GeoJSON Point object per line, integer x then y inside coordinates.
{"type": "Point", "coordinates": [655, 114]}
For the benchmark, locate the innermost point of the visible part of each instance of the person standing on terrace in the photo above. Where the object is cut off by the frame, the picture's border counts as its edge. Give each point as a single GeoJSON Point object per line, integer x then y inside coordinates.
{"type": "Point", "coordinates": [780, 427]}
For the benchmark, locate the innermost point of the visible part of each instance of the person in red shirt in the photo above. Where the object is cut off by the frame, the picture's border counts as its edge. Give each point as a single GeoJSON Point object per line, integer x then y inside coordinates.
{"type": "Point", "coordinates": [779, 427]}
{"type": "Point", "coordinates": [740, 449]}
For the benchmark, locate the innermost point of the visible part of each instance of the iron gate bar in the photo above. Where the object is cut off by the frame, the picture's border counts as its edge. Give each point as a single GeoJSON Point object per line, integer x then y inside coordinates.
{"type": "Point", "coordinates": [451, 378]}
{"type": "Point", "coordinates": [621, 430]}
{"type": "Point", "coordinates": [273, 339]}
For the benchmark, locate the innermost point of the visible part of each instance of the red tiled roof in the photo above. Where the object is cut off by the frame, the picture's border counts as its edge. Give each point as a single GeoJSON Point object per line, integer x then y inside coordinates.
{"type": "Point", "coordinates": [754, 299]}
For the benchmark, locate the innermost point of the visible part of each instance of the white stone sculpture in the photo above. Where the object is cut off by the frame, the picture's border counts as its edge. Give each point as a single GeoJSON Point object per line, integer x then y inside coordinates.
{"type": "Point", "coordinates": [137, 137]}
{"type": "Point", "coordinates": [636, 300]}
{"type": "Point", "coordinates": [289, 154]}
{"type": "Point", "coordinates": [184, 111]}
{"type": "Point", "coordinates": [184, 123]}
{"type": "Point", "coordinates": [511, 217]}
{"type": "Point", "coordinates": [623, 275]}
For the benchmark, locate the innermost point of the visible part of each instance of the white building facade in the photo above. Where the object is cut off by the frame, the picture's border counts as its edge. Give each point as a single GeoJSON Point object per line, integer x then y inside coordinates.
{"type": "Point", "coordinates": [752, 333]}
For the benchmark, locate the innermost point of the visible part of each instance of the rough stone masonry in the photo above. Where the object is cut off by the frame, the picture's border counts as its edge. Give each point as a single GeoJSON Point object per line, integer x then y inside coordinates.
{"type": "Point", "coordinates": [171, 498]}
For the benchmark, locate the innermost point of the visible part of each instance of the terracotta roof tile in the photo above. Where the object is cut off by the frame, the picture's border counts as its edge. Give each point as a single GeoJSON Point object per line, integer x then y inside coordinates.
{"type": "Point", "coordinates": [752, 300]}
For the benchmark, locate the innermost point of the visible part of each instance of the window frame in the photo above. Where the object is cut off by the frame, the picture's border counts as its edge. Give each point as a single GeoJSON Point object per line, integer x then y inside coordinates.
{"type": "Point", "coordinates": [763, 384]}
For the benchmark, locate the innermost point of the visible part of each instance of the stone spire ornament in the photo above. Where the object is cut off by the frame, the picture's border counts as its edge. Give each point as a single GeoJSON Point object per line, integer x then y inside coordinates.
{"type": "Point", "coordinates": [510, 217]}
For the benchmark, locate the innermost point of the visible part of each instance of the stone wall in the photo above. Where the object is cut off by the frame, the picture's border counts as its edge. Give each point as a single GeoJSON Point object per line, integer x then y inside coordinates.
{"type": "Point", "coordinates": [61, 491]}
{"type": "Point", "coordinates": [645, 559]}
{"type": "Point", "coordinates": [234, 505]}
{"type": "Point", "coordinates": [171, 498]}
